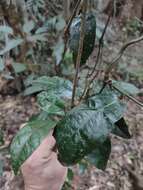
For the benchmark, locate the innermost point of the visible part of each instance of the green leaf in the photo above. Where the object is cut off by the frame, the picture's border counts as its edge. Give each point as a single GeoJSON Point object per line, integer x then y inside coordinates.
{"type": "Point", "coordinates": [100, 156]}
{"type": "Point", "coordinates": [28, 26]}
{"type": "Point", "coordinates": [6, 29]}
{"type": "Point", "coordinates": [1, 137]}
{"type": "Point", "coordinates": [70, 174]}
{"type": "Point", "coordinates": [121, 129]}
{"type": "Point", "coordinates": [89, 39]}
{"type": "Point", "coordinates": [28, 139]}
{"type": "Point", "coordinates": [43, 29]}
{"type": "Point", "coordinates": [109, 103]}
{"type": "Point", "coordinates": [113, 111]}
{"type": "Point", "coordinates": [126, 87]}
{"type": "Point", "coordinates": [60, 24]}
{"type": "Point", "coordinates": [19, 67]}
{"type": "Point", "coordinates": [58, 50]}
{"type": "Point", "coordinates": [11, 45]}
{"type": "Point", "coordinates": [1, 64]}
{"type": "Point", "coordinates": [82, 167]}
{"type": "Point", "coordinates": [79, 133]}
{"type": "Point", "coordinates": [32, 90]}
{"type": "Point", "coordinates": [37, 37]}
{"type": "Point", "coordinates": [53, 105]}
{"type": "Point", "coordinates": [53, 85]}
{"type": "Point", "coordinates": [1, 167]}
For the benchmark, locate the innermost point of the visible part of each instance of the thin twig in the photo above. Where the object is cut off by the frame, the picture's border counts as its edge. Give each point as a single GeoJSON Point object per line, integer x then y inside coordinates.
{"type": "Point", "coordinates": [66, 36]}
{"type": "Point", "coordinates": [88, 83]}
{"type": "Point", "coordinates": [80, 49]}
{"type": "Point", "coordinates": [128, 96]}
{"type": "Point", "coordinates": [66, 31]}
{"type": "Point", "coordinates": [100, 44]}
{"type": "Point", "coordinates": [119, 55]}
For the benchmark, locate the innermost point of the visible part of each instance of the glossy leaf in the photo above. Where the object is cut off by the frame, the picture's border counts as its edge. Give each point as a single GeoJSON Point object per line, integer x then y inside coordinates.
{"type": "Point", "coordinates": [121, 129]}
{"type": "Point", "coordinates": [6, 29]}
{"type": "Point", "coordinates": [1, 137]}
{"type": "Point", "coordinates": [1, 64]}
{"type": "Point", "coordinates": [19, 67]}
{"type": "Point", "coordinates": [89, 39]}
{"type": "Point", "coordinates": [51, 104]}
{"type": "Point", "coordinates": [37, 37]}
{"type": "Point", "coordinates": [53, 85]}
{"type": "Point", "coordinates": [79, 133]}
{"type": "Point", "coordinates": [1, 167]}
{"type": "Point", "coordinates": [100, 155]}
{"type": "Point", "coordinates": [58, 50]}
{"type": "Point", "coordinates": [126, 87]}
{"type": "Point", "coordinates": [113, 110]}
{"type": "Point", "coordinates": [33, 89]}
{"type": "Point", "coordinates": [28, 139]}
{"type": "Point", "coordinates": [11, 45]}
{"type": "Point", "coordinates": [28, 26]}
{"type": "Point", "coordinates": [109, 103]}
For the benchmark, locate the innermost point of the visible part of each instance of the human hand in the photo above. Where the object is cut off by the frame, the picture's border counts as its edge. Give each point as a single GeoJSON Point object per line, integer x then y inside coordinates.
{"type": "Point", "coordinates": [42, 170]}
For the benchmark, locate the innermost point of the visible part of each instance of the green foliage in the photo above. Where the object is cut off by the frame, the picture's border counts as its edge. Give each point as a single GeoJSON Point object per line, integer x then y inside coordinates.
{"type": "Point", "coordinates": [11, 45]}
{"type": "Point", "coordinates": [78, 133]}
{"type": "Point", "coordinates": [1, 167]}
{"type": "Point", "coordinates": [52, 105]}
{"type": "Point", "coordinates": [55, 86]}
{"type": "Point", "coordinates": [126, 87]}
{"type": "Point", "coordinates": [28, 139]}
{"type": "Point", "coordinates": [58, 51]}
{"type": "Point", "coordinates": [89, 39]}
{"type": "Point", "coordinates": [134, 26]}
{"type": "Point", "coordinates": [6, 30]}
{"type": "Point", "coordinates": [19, 67]}
{"type": "Point", "coordinates": [100, 155]}
{"type": "Point", "coordinates": [1, 65]}
{"type": "Point", "coordinates": [121, 129]}
{"type": "Point", "coordinates": [86, 128]}
{"type": "Point", "coordinates": [83, 132]}
{"type": "Point", "coordinates": [1, 137]}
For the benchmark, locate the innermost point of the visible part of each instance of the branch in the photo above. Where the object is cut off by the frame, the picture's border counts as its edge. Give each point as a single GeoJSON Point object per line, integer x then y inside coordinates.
{"type": "Point", "coordinates": [128, 96]}
{"type": "Point", "coordinates": [119, 55]}
{"type": "Point", "coordinates": [80, 49]}
{"type": "Point", "coordinates": [66, 31]}
{"type": "Point", "coordinates": [100, 45]}
{"type": "Point", "coordinates": [66, 35]}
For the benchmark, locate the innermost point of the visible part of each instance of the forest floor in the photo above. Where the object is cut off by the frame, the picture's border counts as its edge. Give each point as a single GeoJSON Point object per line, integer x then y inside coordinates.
{"type": "Point", "coordinates": [125, 167]}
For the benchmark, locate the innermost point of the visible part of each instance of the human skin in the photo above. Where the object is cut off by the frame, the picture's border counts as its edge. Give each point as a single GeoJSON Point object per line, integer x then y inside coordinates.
{"type": "Point", "coordinates": [42, 170]}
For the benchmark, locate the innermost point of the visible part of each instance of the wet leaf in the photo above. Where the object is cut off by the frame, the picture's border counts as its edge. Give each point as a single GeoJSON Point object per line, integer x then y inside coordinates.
{"type": "Point", "coordinates": [11, 45]}
{"type": "Point", "coordinates": [109, 103]}
{"type": "Point", "coordinates": [121, 129]}
{"type": "Point", "coordinates": [52, 104]}
{"type": "Point", "coordinates": [6, 29]}
{"type": "Point", "coordinates": [100, 155]}
{"type": "Point", "coordinates": [79, 133]}
{"type": "Point", "coordinates": [53, 85]}
{"type": "Point", "coordinates": [89, 39]}
{"type": "Point", "coordinates": [28, 139]}
{"type": "Point", "coordinates": [126, 87]}
{"type": "Point", "coordinates": [58, 50]}
{"type": "Point", "coordinates": [19, 67]}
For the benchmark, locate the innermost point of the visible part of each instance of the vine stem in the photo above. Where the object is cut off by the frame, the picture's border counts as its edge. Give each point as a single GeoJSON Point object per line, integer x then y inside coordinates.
{"type": "Point", "coordinates": [101, 44]}
{"type": "Point", "coordinates": [71, 18]}
{"type": "Point", "coordinates": [66, 34]}
{"type": "Point", "coordinates": [119, 55]}
{"type": "Point", "coordinates": [80, 49]}
{"type": "Point", "coordinates": [128, 96]}
{"type": "Point", "coordinates": [97, 61]}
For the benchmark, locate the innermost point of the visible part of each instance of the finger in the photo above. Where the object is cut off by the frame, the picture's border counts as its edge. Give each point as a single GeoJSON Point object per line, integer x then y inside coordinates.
{"type": "Point", "coordinates": [43, 151]}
